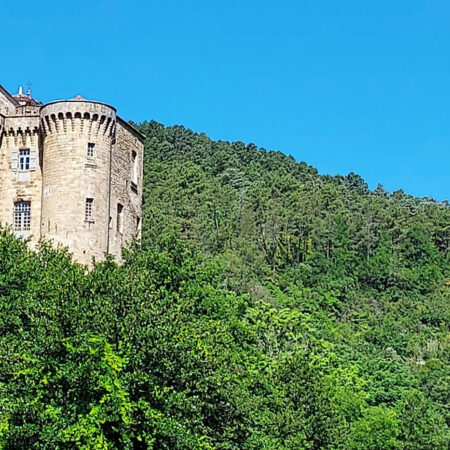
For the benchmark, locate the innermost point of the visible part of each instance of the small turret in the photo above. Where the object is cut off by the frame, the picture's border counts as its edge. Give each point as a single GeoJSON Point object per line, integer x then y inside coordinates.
{"type": "Point", "coordinates": [25, 100]}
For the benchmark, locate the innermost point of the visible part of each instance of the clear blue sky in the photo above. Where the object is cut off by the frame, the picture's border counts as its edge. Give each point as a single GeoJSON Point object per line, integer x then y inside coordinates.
{"type": "Point", "coordinates": [360, 86]}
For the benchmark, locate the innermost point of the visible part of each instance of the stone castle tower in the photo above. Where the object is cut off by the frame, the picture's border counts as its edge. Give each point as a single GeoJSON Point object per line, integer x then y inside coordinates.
{"type": "Point", "coordinates": [70, 171]}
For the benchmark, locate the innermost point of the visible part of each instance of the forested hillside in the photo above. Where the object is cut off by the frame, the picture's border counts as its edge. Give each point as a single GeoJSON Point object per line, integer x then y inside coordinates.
{"type": "Point", "coordinates": [268, 307]}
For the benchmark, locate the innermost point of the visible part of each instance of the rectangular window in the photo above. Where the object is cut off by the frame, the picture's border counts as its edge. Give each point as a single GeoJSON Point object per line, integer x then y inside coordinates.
{"type": "Point", "coordinates": [89, 210]}
{"type": "Point", "coordinates": [134, 172]}
{"type": "Point", "coordinates": [22, 216]}
{"type": "Point", "coordinates": [138, 225]}
{"type": "Point", "coordinates": [119, 218]}
{"type": "Point", "coordinates": [24, 159]}
{"type": "Point", "coordinates": [91, 150]}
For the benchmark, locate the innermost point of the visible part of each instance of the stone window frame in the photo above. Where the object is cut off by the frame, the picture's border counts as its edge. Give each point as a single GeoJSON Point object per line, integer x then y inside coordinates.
{"type": "Point", "coordinates": [22, 218]}
{"type": "Point", "coordinates": [138, 226]}
{"type": "Point", "coordinates": [134, 171]}
{"type": "Point", "coordinates": [89, 210]}
{"type": "Point", "coordinates": [16, 161]}
{"type": "Point", "coordinates": [90, 152]}
{"type": "Point", "coordinates": [24, 159]}
{"type": "Point", "coordinates": [120, 218]}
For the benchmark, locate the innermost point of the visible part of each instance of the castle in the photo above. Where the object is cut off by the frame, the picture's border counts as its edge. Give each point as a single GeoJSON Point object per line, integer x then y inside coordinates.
{"type": "Point", "coordinates": [70, 171]}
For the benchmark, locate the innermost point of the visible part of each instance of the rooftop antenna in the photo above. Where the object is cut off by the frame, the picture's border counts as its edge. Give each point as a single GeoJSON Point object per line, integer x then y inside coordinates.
{"type": "Point", "coordinates": [29, 89]}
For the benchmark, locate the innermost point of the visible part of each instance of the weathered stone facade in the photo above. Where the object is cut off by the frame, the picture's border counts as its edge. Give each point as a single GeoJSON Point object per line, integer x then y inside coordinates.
{"type": "Point", "coordinates": [70, 172]}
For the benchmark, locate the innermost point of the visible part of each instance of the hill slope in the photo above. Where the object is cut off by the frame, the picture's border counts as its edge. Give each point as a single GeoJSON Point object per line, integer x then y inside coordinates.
{"type": "Point", "coordinates": [371, 269]}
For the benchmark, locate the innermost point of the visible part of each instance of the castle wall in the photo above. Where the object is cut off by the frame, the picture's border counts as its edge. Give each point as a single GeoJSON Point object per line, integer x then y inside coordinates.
{"type": "Point", "coordinates": [123, 191]}
{"type": "Point", "coordinates": [17, 185]}
{"type": "Point", "coordinates": [78, 151]}
{"type": "Point", "coordinates": [7, 108]}
{"type": "Point", "coordinates": [27, 110]}
{"type": "Point", "coordinates": [70, 176]}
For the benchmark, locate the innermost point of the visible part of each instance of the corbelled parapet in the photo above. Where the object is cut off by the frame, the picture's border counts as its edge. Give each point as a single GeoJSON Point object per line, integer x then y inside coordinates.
{"type": "Point", "coordinates": [78, 116]}
{"type": "Point", "coordinates": [21, 131]}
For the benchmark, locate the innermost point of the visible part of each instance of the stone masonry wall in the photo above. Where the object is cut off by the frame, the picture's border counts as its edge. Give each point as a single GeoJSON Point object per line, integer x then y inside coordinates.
{"type": "Point", "coordinates": [6, 107]}
{"type": "Point", "coordinates": [123, 192]}
{"type": "Point", "coordinates": [17, 185]}
{"type": "Point", "coordinates": [70, 176]}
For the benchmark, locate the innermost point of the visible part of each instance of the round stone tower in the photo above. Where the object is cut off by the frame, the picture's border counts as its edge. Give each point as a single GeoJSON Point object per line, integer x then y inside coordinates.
{"type": "Point", "coordinates": [78, 137]}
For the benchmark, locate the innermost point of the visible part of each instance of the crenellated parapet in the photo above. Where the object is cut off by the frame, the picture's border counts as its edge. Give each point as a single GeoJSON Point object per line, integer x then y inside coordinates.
{"type": "Point", "coordinates": [21, 131]}
{"type": "Point", "coordinates": [89, 119]}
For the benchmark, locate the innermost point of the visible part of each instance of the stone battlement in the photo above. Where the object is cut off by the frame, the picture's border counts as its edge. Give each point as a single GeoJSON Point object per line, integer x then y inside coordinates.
{"type": "Point", "coordinates": [78, 116]}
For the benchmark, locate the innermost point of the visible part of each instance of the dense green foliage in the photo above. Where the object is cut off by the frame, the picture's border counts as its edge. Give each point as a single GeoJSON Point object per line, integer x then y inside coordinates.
{"type": "Point", "coordinates": [268, 307]}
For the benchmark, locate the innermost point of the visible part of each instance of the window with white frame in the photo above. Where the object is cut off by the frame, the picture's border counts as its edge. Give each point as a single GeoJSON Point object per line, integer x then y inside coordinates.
{"type": "Point", "coordinates": [22, 216]}
{"type": "Point", "coordinates": [88, 210]}
{"type": "Point", "coordinates": [24, 159]}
